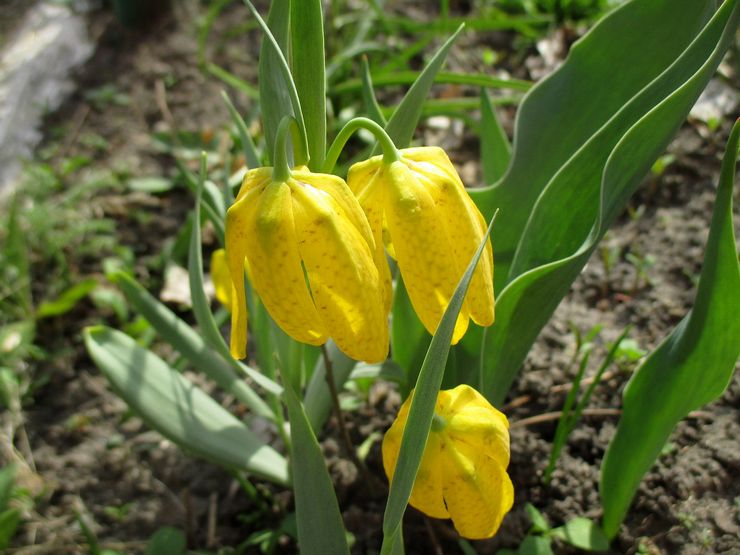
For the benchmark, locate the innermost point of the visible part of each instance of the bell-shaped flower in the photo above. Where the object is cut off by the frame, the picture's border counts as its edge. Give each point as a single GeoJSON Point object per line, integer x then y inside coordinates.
{"type": "Point", "coordinates": [419, 209]}
{"type": "Point", "coordinates": [309, 251]}
{"type": "Point", "coordinates": [462, 475]}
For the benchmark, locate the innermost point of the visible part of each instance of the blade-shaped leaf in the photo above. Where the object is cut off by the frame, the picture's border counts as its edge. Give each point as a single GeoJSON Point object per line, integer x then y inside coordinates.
{"type": "Point", "coordinates": [251, 156]}
{"type": "Point", "coordinates": [587, 193]}
{"type": "Point", "coordinates": [409, 338]}
{"type": "Point", "coordinates": [692, 367]}
{"type": "Point", "coordinates": [309, 72]}
{"type": "Point", "coordinates": [495, 149]}
{"type": "Point", "coordinates": [406, 116]}
{"type": "Point", "coordinates": [320, 526]}
{"type": "Point", "coordinates": [191, 345]}
{"type": "Point", "coordinates": [368, 95]}
{"type": "Point", "coordinates": [179, 410]}
{"type": "Point", "coordinates": [420, 415]}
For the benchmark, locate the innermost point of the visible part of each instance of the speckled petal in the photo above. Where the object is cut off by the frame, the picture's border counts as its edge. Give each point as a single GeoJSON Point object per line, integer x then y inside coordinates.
{"type": "Point", "coordinates": [427, 493]}
{"type": "Point", "coordinates": [465, 228]}
{"type": "Point", "coordinates": [423, 249]}
{"type": "Point", "coordinates": [254, 179]}
{"type": "Point", "coordinates": [477, 491]}
{"type": "Point", "coordinates": [271, 247]}
{"type": "Point", "coordinates": [221, 278]}
{"type": "Point", "coordinates": [341, 272]}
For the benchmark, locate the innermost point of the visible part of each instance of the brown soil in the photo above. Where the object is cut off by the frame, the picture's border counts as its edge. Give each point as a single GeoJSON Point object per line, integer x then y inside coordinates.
{"type": "Point", "coordinates": [90, 454]}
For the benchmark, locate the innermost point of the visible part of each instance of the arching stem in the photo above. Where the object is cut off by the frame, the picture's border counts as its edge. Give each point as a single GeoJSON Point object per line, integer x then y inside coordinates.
{"type": "Point", "coordinates": [390, 152]}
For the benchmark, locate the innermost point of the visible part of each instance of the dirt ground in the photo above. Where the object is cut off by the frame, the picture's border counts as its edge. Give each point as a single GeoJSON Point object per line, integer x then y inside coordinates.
{"type": "Point", "coordinates": [91, 455]}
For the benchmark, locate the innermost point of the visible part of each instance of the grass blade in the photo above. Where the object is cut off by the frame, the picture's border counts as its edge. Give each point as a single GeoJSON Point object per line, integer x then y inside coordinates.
{"type": "Point", "coordinates": [495, 149]}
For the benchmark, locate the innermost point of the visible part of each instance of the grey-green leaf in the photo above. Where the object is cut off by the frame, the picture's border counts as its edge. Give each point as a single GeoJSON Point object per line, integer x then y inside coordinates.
{"type": "Point", "coordinates": [178, 409]}
{"type": "Point", "coordinates": [495, 149]}
{"type": "Point", "coordinates": [689, 369]}
{"type": "Point", "coordinates": [320, 526]}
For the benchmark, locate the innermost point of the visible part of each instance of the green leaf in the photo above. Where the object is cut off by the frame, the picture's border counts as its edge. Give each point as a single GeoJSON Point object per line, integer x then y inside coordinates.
{"type": "Point", "coordinates": [409, 77]}
{"type": "Point", "coordinates": [320, 526]}
{"type": "Point", "coordinates": [421, 411]}
{"type": "Point", "coordinates": [178, 409]}
{"type": "Point", "coordinates": [309, 72]}
{"type": "Point", "coordinates": [67, 300]}
{"type": "Point", "coordinates": [689, 369]}
{"type": "Point", "coordinates": [192, 346]}
{"type": "Point", "coordinates": [406, 116]}
{"type": "Point", "coordinates": [539, 522]}
{"type": "Point", "coordinates": [591, 186]}
{"type": "Point", "coordinates": [166, 541]}
{"type": "Point", "coordinates": [368, 95]}
{"type": "Point", "coordinates": [9, 521]}
{"type": "Point", "coordinates": [278, 93]}
{"type": "Point", "coordinates": [495, 149]}
{"type": "Point", "coordinates": [7, 477]}
{"type": "Point", "coordinates": [535, 545]}
{"type": "Point", "coordinates": [582, 533]}
{"type": "Point", "coordinates": [409, 338]}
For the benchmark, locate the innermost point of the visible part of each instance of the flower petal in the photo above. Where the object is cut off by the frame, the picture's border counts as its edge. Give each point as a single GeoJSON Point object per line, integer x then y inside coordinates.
{"type": "Point", "coordinates": [465, 228]}
{"type": "Point", "coordinates": [426, 495]}
{"type": "Point", "coordinates": [477, 490]}
{"type": "Point", "coordinates": [221, 278]}
{"type": "Point", "coordinates": [255, 178]}
{"type": "Point", "coordinates": [422, 247]}
{"type": "Point", "coordinates": [267, 231]}
{"type": "Point", "coordinates": [342, 274]}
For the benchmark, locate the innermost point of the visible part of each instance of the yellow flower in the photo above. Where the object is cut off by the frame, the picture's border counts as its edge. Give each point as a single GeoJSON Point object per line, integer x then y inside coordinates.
{"type": "Point", "coordinates": [221, 278]}
{"type": "Point", "coordinates": [419, 209]}
{"type": "Point", "coordinates": [310, 253]}
{"type": "Point", "coordinates": [462, 475]}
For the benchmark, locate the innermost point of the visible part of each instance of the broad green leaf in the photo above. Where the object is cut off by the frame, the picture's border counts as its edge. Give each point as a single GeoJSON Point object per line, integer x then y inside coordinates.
{"type": "Point", "coordinates": [317, 399]}
{"type": "Point", "coordinates": [582, 533]}
{"type": "Point", "coordinates": [178, 409]}
{"type": "Point", "coordinates": [692, 367]}
{"type": "Point", "coordinates": [166, 541]}
{"type": "Point", "coordinates": [67, 300]}
{"type": "Point", "coordinates": [535, 545]}
{"type": "Point", "coordinates": [419, 420]}
{"type": "Point", "coordinates": [309, 73]}
{"type": "Point", "coordinates": [320, 526]}
{"type": "Point", "coordinates": [592, 187]}
{"type": "Point", "coordinates": [495, 149]}
{"type": "Point", "coordinates": [251, 156]}
{"type": "Point", "coordinates": [598, 78]}
{"type": "Point", "coordinates": [539, 522]}
{"type": "Point", "coordinates": [406, 116]}
{"type": "Point", "coordinates": [9, 521]}
{"type": "Point", "coordinates": [191, 345]}
{"type": "Point", "coordinates": [202, 307]}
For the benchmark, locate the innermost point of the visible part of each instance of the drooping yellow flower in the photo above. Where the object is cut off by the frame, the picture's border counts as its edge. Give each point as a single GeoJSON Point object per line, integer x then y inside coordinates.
{"type": "Point", "coordinates": [221, 278]}
{"type": "Point", "coordinates": [419, 208]}
{"type": "Point", "coordinates": [462, 475]}
{"type": "Point", "coordinates": [310, 253]}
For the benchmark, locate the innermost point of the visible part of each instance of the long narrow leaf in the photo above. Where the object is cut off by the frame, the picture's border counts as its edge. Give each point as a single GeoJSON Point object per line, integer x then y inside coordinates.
{"type": "Point", "coordinates": [495, 149]}
{"type": "Point", "coordinates": [320, 526]}
{"type": "Point", "coordinates": [179, 410]}
{"type": "Point", "coordinates": [405, 118]}
{"type": "Point", "coordinates": [420, 415]}
{"type": "Point", "coordinates": [317, 399]}
{"type": "Point", "coordinates": [447, 78]}
{"type": "Point", "coordinates": [309, 72]}
{"type": "Point", "coordinates": [368, 95]}
{"type": "Point", "coordinates": [692, 367]}
{"type": "Point", "coordinates": [190, 344]}
{"type": "Point", "coordinates": [250, 151]}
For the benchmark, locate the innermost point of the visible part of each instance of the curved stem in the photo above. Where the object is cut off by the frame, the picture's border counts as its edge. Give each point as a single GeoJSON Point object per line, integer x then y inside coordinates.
{"type": "Point", "coordinates": [390, 152]}
{"type": "Point", "coordinates": [281, 167]}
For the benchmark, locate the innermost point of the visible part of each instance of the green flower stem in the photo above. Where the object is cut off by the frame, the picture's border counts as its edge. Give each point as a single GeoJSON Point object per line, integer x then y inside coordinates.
{"type": "Point", "coordinates": [390, 152]}
{"type": "Point", "coordinates": [281, 167]}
